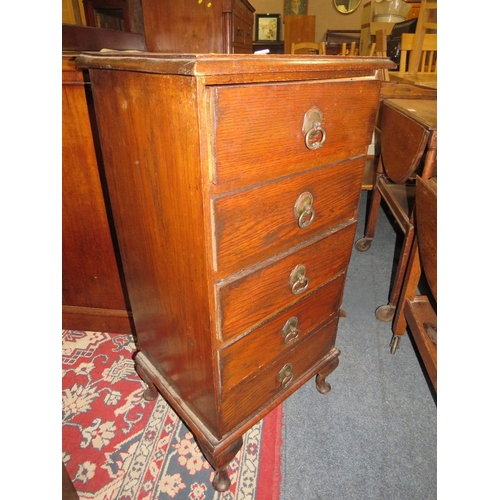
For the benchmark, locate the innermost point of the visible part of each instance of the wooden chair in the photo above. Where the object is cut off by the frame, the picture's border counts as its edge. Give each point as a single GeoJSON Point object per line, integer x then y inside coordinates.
{"type": "Point", "coordinates": [428, 10]}
{"type": "Point", "coordinates": [351, 51]}
{"type": "Point", "coordinates": [407, 147]}
{"type": "Point", "coordinates": [427, 60]}
{"type": "Point", "coordinates": [309, 48]}
{"type": "Point", "coordinates": [419, 312]}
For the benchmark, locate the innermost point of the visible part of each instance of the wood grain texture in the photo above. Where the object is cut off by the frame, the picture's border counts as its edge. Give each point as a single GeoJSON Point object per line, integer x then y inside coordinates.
{"type": "Point", "coordinates": [271, 143]}
{"type": "Point", "coordinates": [426, 225]}
{"type": "Point", "coordinates": [253, 298]}
{"type": "Point", "coordinates": [402, 144]}
{"type": "Point", "coordinates": [263, 345]}
{"type": "Point", "coordinates": [203, 187]}
{"type": "Point", "coordinates": [248, 396]}
{"type": "Point", "coordinates": [91, 281]}
{"type": "Point", "coordinates": [192, 28]}
{"type": "Point", "coordinates": [253, 225]}
{"type": "Point", "coordinates": [154, 182]}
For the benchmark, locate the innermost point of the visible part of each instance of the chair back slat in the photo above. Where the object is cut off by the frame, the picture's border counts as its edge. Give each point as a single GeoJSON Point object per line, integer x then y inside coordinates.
{"type": "Point", "coordinates": [309, 48]}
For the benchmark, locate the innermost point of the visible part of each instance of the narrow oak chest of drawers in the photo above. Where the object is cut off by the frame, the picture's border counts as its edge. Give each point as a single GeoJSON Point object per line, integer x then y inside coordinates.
{"type": "Point", "coordinates": [234, 182]}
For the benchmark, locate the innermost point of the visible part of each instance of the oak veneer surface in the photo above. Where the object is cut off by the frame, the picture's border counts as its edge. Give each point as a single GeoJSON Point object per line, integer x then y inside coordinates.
{"type": "Point", "coordinates": [205, 175]}
{"type": "Point", "coordinates": [93, 296]}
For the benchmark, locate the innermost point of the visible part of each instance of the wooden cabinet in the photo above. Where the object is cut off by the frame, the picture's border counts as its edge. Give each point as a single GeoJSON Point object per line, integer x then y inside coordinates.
{"type": "Point", "coordinates": [234, 182]}
{"type": "Point", "coordinates": [222, 27]}
{"type": "Point", "coordinates": [93, 295]}
{"type": "Point", "coordinates": [238, 23]}
{"type": "Point", "coordinates": [122, 15]}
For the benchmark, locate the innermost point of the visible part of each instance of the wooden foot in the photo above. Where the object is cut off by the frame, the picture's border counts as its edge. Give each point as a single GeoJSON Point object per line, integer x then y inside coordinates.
{"type": "Point", "coordinates": [221, 481]}
{"type": "Point", "coordinates": [151, 393]}
{"type": "Point", "coordinates": [321, 384]}
{"type": "Point", "coordinates": [219, 460]}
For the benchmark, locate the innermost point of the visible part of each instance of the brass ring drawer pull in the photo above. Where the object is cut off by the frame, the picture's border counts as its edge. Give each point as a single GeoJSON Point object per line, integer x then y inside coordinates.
{"type": "Point", "coordinates": [285, 375]}
{"type": "Point", "coordinates": [313, 130]}
{"type": "Point", "coordinates": [303, 209]}
{"type": "Point", "coordinates": [298, 280]}
{"type": "Point", "coordinates": [290, 331]}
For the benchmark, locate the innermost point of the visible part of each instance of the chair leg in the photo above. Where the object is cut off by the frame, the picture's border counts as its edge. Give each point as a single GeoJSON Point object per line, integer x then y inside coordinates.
{"type": "Point", "coordinates": [386, 312]}
{"type": "Point", "coordinates": [408, 291]}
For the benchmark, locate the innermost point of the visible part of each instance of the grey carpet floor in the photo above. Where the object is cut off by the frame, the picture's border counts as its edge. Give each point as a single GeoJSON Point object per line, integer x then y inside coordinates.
{"type": "Point", "coordinates": [374, 435]}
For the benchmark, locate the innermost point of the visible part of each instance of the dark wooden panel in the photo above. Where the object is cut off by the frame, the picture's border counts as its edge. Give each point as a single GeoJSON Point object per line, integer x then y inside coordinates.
{"type": "Point", "coordinates": [144, 121]}
{"type": "Point", "coordinates": [190, 27]}
{"type": "Point", "coordinates": [80, 38]}
{"type": "Point", "coordinates": [68, 488]}
{"type": "Point", "coordinates": [91, 280]}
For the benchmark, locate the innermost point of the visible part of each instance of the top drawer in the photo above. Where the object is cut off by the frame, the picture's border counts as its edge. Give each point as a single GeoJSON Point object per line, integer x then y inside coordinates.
{"type": "Point", "coordinates": [259, 129]}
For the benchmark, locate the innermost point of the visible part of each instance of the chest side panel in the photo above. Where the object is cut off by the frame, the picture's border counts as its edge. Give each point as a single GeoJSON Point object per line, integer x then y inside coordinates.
{"type": "Point", "coordinates": [154, 179]}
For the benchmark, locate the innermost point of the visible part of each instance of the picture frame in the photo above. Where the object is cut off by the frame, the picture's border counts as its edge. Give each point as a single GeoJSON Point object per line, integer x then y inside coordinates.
{"type": "Point", "coordinates": [267, 27]}
{"type": "Point", "coordinates": [295, 7]}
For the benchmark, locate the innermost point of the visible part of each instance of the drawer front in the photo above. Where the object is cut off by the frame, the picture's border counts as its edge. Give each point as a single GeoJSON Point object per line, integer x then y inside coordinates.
{"type": "Point", "coordinates": [242, 31]}
{"type": "Point", "coordinates": [250, 395]}
{"type": "Point", "coordinates": [262, 346]}
{"type": "Point", "coordinates": [253, 225]}
{"type": "Point", "coordinates": [259, 133]}
{"type": "Point", "coordinates": [247, 302]}
{"type": "Point", "coordinates": [241, 10]}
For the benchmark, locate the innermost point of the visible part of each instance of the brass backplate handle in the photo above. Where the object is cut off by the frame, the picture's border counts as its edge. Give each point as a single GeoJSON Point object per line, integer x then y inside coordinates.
{"type": "Point", "coordinates": [315, 134]}
{"type": "Point", "coordinates": [298, 279]}
{"type": "Point", "coordinates": [285, 375]}
{"type": "Point", "coordinates": [303, 209]}
{"type": "Point", "coordinates": [290, 331]}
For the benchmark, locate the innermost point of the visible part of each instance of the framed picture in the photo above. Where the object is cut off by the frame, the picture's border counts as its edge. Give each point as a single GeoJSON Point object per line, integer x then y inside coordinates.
{"type": "Point", "coordinates": [267, 27]}
{"type": "Point", "coordinates": [295, 8]}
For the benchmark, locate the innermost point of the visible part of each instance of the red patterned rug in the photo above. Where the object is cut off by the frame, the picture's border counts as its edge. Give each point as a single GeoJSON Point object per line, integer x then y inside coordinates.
{"type": "Point", "coordinates": [117, 446]}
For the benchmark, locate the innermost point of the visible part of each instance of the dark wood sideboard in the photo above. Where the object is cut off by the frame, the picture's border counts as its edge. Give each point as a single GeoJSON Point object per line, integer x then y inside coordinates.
{"type": "Point", "coordinates": [235, 204]}
{"type": "Point", "coordinates": [222, 27]}
{"type": "Point", "coordinates": [93, 294]}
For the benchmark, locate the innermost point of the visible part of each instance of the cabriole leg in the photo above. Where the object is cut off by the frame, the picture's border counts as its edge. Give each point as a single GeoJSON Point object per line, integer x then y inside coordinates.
{"type": "Point", "coordinates": [321, 384]}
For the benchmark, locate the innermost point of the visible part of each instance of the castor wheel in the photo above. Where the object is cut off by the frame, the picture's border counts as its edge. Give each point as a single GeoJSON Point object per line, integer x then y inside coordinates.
{"type": "Point", "coordinates": [363, 244]}
{"type": "Point", "coordinates": [395, 343]}
{"type": "Point", "coordinates": [385, 313]}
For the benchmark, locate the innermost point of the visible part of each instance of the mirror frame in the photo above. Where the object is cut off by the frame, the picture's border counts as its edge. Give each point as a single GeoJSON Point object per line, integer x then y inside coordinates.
{"type": "Point", "coordinates": [348, 11]}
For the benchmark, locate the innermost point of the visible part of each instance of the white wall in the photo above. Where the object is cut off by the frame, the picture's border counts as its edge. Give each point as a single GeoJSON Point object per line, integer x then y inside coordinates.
{"type": "Point", "coordinates": [327, 17]}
